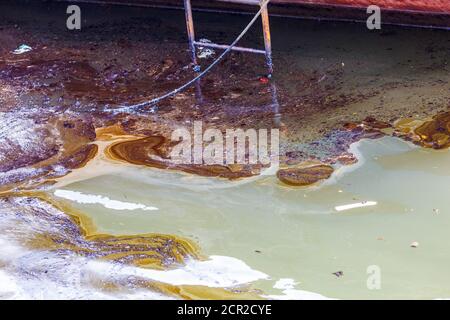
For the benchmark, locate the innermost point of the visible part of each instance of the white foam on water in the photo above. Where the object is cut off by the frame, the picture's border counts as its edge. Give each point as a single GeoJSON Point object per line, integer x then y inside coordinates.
{"type": "Point", "coordinates": [217, 272]}
{"type": "Point", "coordinates": [104, 201]}
{"type": "Point", "coordinates": [294, 294]}
{"type": "Point", "coordinates": [287, 286]}
{"type": "Point", "coordinates": [8, 287]}
{"type": "Point", "coordinates": [285, 283]}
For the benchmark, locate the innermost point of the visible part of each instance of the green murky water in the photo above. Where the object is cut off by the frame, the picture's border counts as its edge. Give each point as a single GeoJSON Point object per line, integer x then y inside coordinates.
{"type": "Point", "coordinates": [301, 234]}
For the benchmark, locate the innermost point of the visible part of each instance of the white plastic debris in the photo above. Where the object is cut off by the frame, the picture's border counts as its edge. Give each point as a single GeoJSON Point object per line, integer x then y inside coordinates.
{"type": "Point", "coordinates": [355, 205]}
{"type": "Point", "coordinates": [415, 244]}
{"type": "Point", "coordinates": [22, 49]}
{"type": "Point", "coordinates": [204, 53]}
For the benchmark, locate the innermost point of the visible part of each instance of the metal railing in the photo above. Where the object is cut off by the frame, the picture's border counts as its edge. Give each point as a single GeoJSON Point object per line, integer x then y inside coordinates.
{"type": "Point", "coordinates": [193, 44]}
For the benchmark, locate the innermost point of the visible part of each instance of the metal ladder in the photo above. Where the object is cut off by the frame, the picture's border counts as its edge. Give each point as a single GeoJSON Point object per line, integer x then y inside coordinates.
{"type": "Point", "coordinates": [266, 31]}
{"type": "Point", "coordinates": [267, 52]}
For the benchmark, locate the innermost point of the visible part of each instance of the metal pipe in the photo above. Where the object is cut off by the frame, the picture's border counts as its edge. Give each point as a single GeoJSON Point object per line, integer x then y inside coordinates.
{"type": "Point", "coordinates": [221, 46]}
{"type": "Point", "coordinates": [190, 31]}
{"type": "Point", "coordinates": [267, 39]}
{"type": "Point", "coordinates": [191, 36]}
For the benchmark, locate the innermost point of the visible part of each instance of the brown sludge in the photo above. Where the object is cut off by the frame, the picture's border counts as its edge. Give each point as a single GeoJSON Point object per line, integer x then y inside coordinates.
{"type": "Point", "coordinates": [152, 152]}
{"type": "Point", "coordinates": [304, 176]}
{"type": "Point", "coordinates": [435, 133]}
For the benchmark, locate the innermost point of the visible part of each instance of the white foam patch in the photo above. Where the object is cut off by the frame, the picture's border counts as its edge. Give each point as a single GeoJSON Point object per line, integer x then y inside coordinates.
{"type": "Point", "coordinates": [287, 286]}
{"type": "Point", "coordinates": [294, 294]}
{"type": "Point", "coordinates": [355, 205]}
{"type": "Point", "coordinates": [8, 287]}
{"type": "Point", "coordinates": [285, 283]}
{"type": "Point", "coordinates": [104, 201]}
{"type": "Point", "coordinates": [217, 272]}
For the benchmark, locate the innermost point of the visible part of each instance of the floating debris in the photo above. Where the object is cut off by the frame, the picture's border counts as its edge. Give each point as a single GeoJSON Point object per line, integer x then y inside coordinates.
{"type": "Point", "coordinates": [355, 205]}
{"type": "Point", "coordinates": [203, 52]}
{"type": "Point", "coordinates": [22, 49]}
{"type": "Point", "coordinates": [338, 274]}
{"type": "Point", "coordinates": [415, 244]}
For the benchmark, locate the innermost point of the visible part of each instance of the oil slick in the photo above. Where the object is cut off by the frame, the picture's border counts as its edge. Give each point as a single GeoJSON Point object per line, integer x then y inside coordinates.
{"type": "Point", "coordinates": [153, 152]}
{"type": "Point", "coordinates": [432, 133]}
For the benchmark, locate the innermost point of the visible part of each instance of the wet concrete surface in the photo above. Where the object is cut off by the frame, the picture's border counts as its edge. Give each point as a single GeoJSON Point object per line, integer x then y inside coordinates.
{"type": "Point", "coordinates": [329, 78]}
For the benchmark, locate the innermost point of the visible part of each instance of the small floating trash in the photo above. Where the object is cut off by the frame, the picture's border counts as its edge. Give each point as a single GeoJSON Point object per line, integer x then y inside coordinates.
{"type": "Point", "coordinates": [23, 48]}
{"type": "Point", "coordinates": [355, 205]}
{"type": "Point", "coordinates": [204, 52]}
{"type": "Point", "coordinates": [415, 244]}
{"type": "Point", "coordinates": [338, 274]}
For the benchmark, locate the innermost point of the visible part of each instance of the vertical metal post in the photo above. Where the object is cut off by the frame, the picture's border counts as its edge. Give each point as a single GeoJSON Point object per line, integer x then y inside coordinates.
{"type": "Point", "coordinates": [267, 39]}
{"type": "Point", "coordinates": [268, 48]}
{"type": "Point", "coordinates": [191, 36]}
{"type": "Point", "coordinates": [190, 30]}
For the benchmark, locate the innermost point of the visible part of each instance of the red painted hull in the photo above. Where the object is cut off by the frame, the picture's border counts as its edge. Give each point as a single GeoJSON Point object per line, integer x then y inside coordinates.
{"type": "Point", "coordinates": [424, 6]}
{"type": "Point", "coordinates": [437, 6]}
{"type": "Point", "coordinates": [428, 13]}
